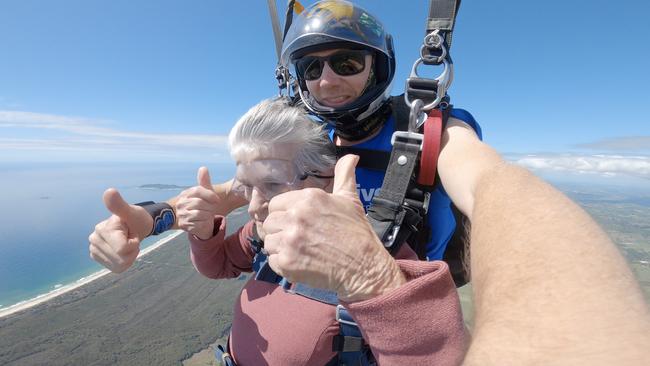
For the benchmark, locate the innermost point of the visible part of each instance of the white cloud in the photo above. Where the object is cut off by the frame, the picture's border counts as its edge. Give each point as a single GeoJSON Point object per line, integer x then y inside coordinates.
{"type": "Point", "coordinates": [630, 143]}
{"type": "Point", "coordinates": [603, 165]}
{"type": "Point", "coordinates": [77, 136]}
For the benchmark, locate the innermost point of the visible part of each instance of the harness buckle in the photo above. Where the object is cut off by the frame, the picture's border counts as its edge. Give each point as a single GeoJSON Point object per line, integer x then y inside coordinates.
{"type": "Point", "coordinates": [391, 238]}
{"type": "Point", "coordinates": [408, 136]}
{"type": "Point", "coordinates": [340, 319]}
{"type": "Point", "coordinates": [286, 286]}
{"type": "Point", "coordinates": [425, 204]}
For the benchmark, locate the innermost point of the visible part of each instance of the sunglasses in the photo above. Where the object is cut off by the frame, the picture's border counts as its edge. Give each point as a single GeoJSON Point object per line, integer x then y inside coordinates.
{"type": "Point", "coordinates": [343, 63]}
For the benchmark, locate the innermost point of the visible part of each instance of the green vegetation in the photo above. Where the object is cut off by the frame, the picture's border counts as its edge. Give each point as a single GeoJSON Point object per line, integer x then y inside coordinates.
{"type": "Point", "coordinates": [628, 225]}
{"type": "Point", "coordinates": [160, 312]}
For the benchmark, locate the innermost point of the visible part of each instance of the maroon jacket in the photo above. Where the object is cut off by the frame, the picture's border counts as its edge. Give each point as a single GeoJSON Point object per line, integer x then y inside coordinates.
{"type": "Point", "coordinates": [419, 323]}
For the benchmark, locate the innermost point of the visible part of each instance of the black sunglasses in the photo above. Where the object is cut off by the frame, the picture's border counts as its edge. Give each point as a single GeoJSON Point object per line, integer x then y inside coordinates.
{"type": "Point", "coordinates": [344, 63]}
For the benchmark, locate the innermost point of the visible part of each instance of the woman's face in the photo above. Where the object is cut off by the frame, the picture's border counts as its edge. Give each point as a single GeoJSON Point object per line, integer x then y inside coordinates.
{"type": "Point", "coordinates": [266, 176]}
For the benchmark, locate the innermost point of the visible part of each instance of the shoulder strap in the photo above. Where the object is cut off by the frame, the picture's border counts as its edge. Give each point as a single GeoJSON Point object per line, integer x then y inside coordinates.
{"type": "Point", "coordinates": [401, 112]}
{"type": "Point", "coordinates": [456, 253]}
{"type": "Point", "coordinates": [393, 214]}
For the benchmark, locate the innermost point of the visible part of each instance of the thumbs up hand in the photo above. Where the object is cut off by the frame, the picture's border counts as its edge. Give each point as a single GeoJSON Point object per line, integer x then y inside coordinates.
{"type": "Point", "coordinates": [324, 240]}
{"type": "Point", "coordinates": [115, 243]}
{"type": "Point", "coordinates": [197, 206]}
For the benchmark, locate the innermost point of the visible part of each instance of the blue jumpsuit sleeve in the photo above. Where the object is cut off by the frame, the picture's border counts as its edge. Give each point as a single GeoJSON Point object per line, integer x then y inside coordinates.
{"type": "Point", "coordinates": [467, 117]}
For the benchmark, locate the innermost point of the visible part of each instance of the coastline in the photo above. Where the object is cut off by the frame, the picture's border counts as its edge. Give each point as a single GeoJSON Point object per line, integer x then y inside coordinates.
{"type": "Point", "coordinates": [159, 312]}
{"type": "Point", "coordinates": [26, 304]}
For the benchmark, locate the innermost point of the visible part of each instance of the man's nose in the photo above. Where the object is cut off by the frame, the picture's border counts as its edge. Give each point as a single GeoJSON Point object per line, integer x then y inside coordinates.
{"type": "Point", "coordinates": [328, 77]}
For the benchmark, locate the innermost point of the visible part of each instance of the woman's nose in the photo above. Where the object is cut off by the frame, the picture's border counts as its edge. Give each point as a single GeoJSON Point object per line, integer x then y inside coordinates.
{"type": "Point", "coordinates": [258, 205]}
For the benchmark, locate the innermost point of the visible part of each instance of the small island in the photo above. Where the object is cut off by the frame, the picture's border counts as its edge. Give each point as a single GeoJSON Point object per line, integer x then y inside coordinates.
{"type": "Point", "coordinates": [158, 186]}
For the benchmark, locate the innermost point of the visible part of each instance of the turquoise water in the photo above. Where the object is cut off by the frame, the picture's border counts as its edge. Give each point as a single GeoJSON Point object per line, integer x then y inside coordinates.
{"type": "Point", "coordinates": [50, 209]}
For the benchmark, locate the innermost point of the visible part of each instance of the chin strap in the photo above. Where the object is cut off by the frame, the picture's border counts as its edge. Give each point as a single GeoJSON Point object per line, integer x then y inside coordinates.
{"type": "Point", "coordinates": [351, 129]}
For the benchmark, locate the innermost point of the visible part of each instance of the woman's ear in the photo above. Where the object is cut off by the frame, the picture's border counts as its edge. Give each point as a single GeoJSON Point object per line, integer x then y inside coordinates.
{"type": "Point", "coordinates": [327, 184]}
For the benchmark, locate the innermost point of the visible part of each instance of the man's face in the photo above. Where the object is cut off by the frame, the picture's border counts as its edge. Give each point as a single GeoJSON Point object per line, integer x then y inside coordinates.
{"type": "Point", "coordinates": [334, 90]}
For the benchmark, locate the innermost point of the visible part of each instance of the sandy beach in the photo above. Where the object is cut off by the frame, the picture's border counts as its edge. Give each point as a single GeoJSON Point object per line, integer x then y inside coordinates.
{"type": "Point", "coordinates": [24, 305]}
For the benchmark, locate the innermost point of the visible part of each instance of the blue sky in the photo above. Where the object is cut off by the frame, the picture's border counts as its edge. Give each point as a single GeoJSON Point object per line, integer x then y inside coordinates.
{"type": "Point", "coordinates": [90, 80]}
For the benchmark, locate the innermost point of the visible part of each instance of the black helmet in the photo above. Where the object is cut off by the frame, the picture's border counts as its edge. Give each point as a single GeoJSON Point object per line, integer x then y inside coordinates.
{"type": "Point", "coordinates": [333, 24]}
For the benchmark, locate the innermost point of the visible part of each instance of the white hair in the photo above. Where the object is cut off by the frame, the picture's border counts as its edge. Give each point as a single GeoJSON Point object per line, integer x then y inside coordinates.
{"type": "Point", "coordinates": [274, 121]}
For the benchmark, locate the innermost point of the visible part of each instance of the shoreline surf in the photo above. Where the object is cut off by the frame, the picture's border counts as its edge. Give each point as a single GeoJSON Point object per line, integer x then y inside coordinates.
{"type": "Point", "coordinates": [62, 289]}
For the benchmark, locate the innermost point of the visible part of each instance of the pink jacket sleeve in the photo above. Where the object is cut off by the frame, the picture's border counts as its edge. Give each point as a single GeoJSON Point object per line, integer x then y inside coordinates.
{"type": "Point", "coordinates": [419, 323]}
{"type": "Point", "coordinates": [221, 257]}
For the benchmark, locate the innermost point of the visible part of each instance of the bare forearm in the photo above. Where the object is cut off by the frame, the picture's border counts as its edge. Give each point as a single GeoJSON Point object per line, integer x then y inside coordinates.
{"type": "Point", "coordinates": [550, 286]}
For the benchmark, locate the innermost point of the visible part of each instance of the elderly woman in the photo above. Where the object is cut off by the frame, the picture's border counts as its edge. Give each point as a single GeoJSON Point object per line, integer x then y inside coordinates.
{"type": "Point", "coordinates": [278, 148]}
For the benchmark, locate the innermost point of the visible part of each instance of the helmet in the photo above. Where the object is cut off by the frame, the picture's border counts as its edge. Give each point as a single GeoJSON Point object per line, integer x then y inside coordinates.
{"type": "Point", "coordinates": [333, 24]}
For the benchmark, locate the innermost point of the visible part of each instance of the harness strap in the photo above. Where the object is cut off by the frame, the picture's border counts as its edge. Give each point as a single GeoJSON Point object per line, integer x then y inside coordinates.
{"type": "Point", "coordinates": [368, 159]}
{"type": "Point", "coordinates": [442, 16]}
{"type": "Point", "coordinates": [351, 348]}
{"type": "Point", "coordinates": [430, 148]}
{"type": "Point", "coordinates": [222, 354]}
{"type": "Point", "coordinates": [393, 221]}
{"type": "Point", "coordinates": [349, 344]}
{"type": "Point", "coordinates": [288, 19]}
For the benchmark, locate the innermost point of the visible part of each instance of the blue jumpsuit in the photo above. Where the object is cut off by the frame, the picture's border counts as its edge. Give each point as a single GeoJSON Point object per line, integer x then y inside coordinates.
{"type": "Point", "coordinates": [440, 216]}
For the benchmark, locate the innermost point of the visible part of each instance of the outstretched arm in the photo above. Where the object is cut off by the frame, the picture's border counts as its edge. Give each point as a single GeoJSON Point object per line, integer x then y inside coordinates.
{"type": "Point", "coordinates": [549, 286]}
{"type": "Point", "coordinates": [115, 242]}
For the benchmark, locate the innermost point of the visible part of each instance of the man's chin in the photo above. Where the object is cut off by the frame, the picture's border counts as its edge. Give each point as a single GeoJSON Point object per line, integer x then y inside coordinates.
{"type": "Point", "coordinates": [336, 102]}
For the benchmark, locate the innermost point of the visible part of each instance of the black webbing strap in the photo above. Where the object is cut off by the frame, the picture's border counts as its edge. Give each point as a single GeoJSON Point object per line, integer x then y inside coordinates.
{"type": "Point", "coordinates": [288, 18]}
{"type": "Point", "coordinates": [369, 159]}
{"type": "Point", "coordinates": [401, 112]}
{"type": "Point", "coordinates": [442, 16]}
{"type": "Point", "coordinates": [392, 221]}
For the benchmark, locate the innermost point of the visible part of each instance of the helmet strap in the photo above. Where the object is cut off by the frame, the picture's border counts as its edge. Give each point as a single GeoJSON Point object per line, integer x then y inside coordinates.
{"type": "Point", "coordinates": [372, 80]}
{"type": "Point", "coordinates": [351, 129]}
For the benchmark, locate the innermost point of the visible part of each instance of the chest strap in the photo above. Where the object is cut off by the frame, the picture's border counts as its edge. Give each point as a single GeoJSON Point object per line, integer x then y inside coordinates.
{"type": "Point", "coordinates": [368, 159]}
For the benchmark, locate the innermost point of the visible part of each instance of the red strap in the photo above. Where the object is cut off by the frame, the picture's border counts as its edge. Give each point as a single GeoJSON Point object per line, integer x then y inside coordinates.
{"type": "Point", "coordinates": [430, 148]}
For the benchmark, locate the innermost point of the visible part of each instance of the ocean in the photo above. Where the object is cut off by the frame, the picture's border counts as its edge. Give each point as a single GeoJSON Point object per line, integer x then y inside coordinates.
{"type": "Point", "coordinates": [48, 211]}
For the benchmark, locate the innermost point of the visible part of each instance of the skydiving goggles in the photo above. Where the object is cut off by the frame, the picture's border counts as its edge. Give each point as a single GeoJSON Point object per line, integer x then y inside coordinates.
{"type": "Point", "coordinates": [343, 63]}
{"type": "Point", "coordinates": [269, 178]}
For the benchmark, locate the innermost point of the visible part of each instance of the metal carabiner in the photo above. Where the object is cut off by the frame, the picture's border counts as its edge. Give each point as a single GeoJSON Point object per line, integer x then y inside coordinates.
{"type": "Point", "coordinates": [431, 41]}
{"type": "Point", "coordinates": [416, 115]}
{"type": "Point", "coordinates": [444, 81]}
{"type": "Point", "coordinates": [284, 79]}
